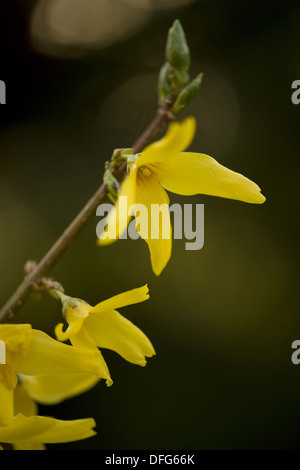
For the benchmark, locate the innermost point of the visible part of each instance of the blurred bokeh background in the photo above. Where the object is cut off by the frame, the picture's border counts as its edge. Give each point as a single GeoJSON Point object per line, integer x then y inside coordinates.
{"type": "Point", "coordinates": [81, 80]}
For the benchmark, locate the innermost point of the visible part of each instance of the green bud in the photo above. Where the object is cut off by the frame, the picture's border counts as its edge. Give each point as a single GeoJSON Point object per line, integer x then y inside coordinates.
{"type": "Point", "coordinates": [108, 177]}
{"type": "Point", "coordinates": [187, 95]}
{"type": "Point", "coordinates": [177, 50]}
{"type": "Point", "coordinates": [164, 86]}
{"type": "Point", "coordinates": [177, 79]}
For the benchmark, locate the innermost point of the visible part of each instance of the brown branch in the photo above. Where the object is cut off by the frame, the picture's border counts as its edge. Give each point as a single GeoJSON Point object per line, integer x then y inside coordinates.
{"type": "Point", "coordinates": [55, 253]}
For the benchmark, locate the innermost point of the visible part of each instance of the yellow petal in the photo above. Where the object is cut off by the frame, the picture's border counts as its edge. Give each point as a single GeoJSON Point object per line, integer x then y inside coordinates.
{"type": "Point", "coordinates": [23, 403]}
{"type": "Point", "coordinates": [111, 330]}
{"type": "Point", "coordinates": [43, 389]}
{"type": "Point", "coordinates": [119, 217]}
{"type": "Point", "coordinates": [73, 328]}
{"type": "Point", "coordinates": [28, 446]}
{"type": "Point", "coordinates": [196, 173]}
{"type": "Point", "coordinates": [48, 356]}
{"type": "Point", "coordinates": [82, 341]}
{"type": "Point", "coordinates": [159, 233]}
{"type": "Point", "coordinates": [17, 339]}
{"type": "Point", "coordinates": [178, 138]}
{"type": "Point", "coordinates": [130, 297]}
{"type": "Point", "coordinates": [75, 313]}
{"type": "Point", "coordinates": [41, 429]}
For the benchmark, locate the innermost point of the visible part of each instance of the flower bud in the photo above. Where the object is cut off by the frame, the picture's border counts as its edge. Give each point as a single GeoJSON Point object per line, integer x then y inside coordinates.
{"type": "Point", "coordinates": [164, 88]}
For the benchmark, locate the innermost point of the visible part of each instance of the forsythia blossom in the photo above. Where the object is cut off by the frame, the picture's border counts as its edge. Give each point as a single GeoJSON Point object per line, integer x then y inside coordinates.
{"type": "Point", "coordinates": [102, 326]}
{"type": "Point", "coordinates": [32, 352]}
{"type": "Point", "coordinates": [164, 165]}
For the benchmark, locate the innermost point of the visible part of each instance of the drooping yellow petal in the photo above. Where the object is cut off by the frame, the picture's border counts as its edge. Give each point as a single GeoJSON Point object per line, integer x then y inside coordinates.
{"type": "Point", "coordinates": [130, 297]}
{"type": "Point", "coordinates": [119, 217]}
{"type": "Point", "coordinates": [46, 391]}
{"type": "Point", "coordinates": [111, 330]}
{"type": "Point", "coordinates": [48, 356]}
{"type": "Point", "coordinates": [41, 429]}
{"type": "Point", "coordinates": [157, 232]}
{"type": "Point", "coordinates": [82, 342]}
{"type": "Point", "coordinates": [6, 401]}
{"type": "Point", "coordinates": [178, 138]}
{"type": "Point", "coordinates": [196, 173]}
{"type": "Point", "coordinates": [24, 403]}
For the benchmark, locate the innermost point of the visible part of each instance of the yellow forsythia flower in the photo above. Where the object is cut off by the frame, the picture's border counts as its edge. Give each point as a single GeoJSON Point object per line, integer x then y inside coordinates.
{"type": "Point", "coordinates": [164, 165]}
{"type": "Point", "coordinates": [32, 352]}
{"type": "Point", "coordinates": [102, 326]}
{"type": "Point", "coordinates": [96, 327]}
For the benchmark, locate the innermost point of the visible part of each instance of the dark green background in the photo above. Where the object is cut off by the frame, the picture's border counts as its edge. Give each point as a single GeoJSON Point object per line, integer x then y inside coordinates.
{"type": "Point", "coordinates": [222, 319]}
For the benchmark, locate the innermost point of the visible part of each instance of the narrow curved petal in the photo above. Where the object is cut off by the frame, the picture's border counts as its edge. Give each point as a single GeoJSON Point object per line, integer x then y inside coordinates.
{"type": "Point", "coordinates": [196, 173]}
{"type": "Point", "coordinates": [48, 356]}
{"type": "Point", "coordinates": [73, 328]}
{"type": "Point", "coordinates": [6, 402]}
{"type": "Point", "coordinates": [158, 233]}
{"type": "Point", "coordinates": [112, 331]}
{"type": "Point", "coordinates": [43, 389]}
{"type": "Point", "coordinates": [41, 429]}
{"type": "Point", "coordinates": [119, 217]}
{"type": "Point", "coordinates": [178, 137]}
{"type": "Point", "coordinates": [130, 297]}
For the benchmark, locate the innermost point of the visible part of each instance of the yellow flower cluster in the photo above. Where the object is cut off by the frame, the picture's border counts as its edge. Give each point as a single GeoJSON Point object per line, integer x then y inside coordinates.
{"type": "Point", "coordinates": [32, 358]}
{"type": "Point", "coordinates": [32, 352]}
